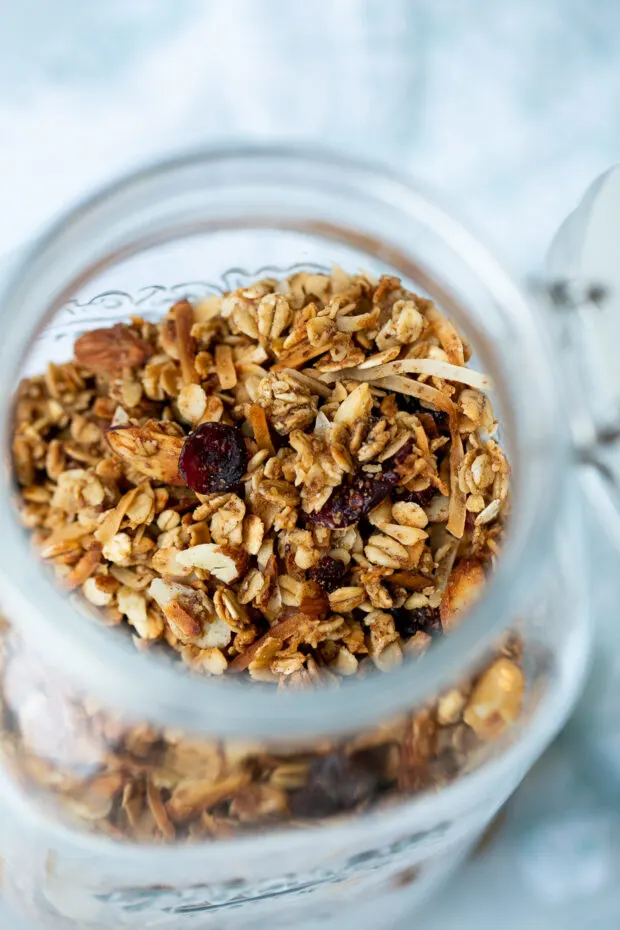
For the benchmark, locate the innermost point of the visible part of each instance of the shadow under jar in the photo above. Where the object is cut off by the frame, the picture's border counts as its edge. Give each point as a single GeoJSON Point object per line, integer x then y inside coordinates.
{"type": "Point", "coordinates": [137, 794]}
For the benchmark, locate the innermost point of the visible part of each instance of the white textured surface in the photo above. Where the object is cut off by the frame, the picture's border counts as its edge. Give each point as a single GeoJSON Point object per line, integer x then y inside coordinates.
{"type": "Point", "coordinates": [507, 109]}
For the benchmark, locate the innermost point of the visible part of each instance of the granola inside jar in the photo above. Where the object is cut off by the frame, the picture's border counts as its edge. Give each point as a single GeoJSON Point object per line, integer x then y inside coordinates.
{"type": "Point", "coordinates": [282, 490]}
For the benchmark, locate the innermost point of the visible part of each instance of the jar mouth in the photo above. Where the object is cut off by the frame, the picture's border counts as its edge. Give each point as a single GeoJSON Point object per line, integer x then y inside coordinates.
{"type": "Point", "coordinates": [341, 201]}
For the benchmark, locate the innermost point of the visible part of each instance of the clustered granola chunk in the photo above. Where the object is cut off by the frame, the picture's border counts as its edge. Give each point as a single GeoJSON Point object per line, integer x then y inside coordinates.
{"type": "Point", "coordinates": [289, 480]}
{"type": "Point", "coordinates": [294, 482]}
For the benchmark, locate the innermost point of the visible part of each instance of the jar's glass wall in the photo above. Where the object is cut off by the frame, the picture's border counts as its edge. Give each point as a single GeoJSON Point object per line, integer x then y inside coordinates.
{"type": "Point", "coordinates": [108, 752]}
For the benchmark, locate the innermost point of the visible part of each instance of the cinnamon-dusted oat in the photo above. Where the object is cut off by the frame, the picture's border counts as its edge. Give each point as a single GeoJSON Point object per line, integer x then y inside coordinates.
{"type": "Point", "coordinates": [360, 501]}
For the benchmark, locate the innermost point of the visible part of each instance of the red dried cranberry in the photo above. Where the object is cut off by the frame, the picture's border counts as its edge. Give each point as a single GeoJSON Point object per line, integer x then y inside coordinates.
{"type": "Point", "coordinates": [413, 405]}
{"type": "Point", "coordinates": [418, 620]}
{"type": "Point", "coordinates": [328, 573]}
{"type": "Point", "coordinates": [213, 458]}
{"type": "Point", "coordinates": [423, 498]}
{"type": "Point", "coordinates": [350, 502]}
{"type": "Point", "coordinates": [336, 783]}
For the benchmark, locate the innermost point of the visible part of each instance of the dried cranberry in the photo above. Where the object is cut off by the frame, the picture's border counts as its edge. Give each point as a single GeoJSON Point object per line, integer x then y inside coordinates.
{"type": "Point", "coordinates": [213, 458]}
{"type": "Point", "coordinates": [336, 783]}
{"type": "Point", "coordinates": [350, 502]}
{"type": "Point", "coordinates": [423, 498]}
{"type": "Point", "coordinates": [418, 620]}
{"type": "Point", "coordinates": [328, 573]}
{"type": "Point", "coordinates": [413, 405]}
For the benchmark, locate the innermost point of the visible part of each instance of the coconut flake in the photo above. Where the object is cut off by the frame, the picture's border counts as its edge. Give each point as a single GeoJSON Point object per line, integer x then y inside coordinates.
{"type": "Point", "coordinates": [449, 338]}
{"type": "Point", "coordinates": [424, 392]}
{"type": "Point", "coordinates": [420, 366]}
{"type": "Point", "coordinates": [312, 383]}
{"type": "Point", "coordinates": [456, 513]}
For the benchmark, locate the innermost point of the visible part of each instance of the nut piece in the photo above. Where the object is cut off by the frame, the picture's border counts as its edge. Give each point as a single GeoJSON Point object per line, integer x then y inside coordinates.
{"type": "Point", "coordinates": [223, 562]}
{"type": "Point", "coordinates": [496, 700]}
{"type": "Point", "coordinates": [463, 589]}
{"type": "Point", "coordinates": [108, 351]}
{"type": "Point", "coordinates": [356, 406]}
{"type": "Point", "coordinates": [149, 449]}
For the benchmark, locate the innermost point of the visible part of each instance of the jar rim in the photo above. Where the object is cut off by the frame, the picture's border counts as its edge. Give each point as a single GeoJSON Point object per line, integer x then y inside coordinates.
{"type": "Point", "coordinates": [103, 663]}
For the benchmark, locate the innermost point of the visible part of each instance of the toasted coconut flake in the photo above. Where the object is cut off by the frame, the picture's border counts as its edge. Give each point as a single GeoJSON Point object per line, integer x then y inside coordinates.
{"type": "Point", "coordinates": [464, 587]}
{"type": "Point", "coordinates": [380, 358]}
{"type": "Point", "coordinates": [424, 392]}
{"type": "Point", "coordinates": [294, 621]}
{"type": "Point", "coordinates": [225, 367]}
{"type": "Point", "coordinates": [299, 355]}
{"type": "Point", "coordinates": [445, 331]}
{"type": "Point", "coordinates": [184, 317]}
{"type": "Point", "coordinates": [313, 384]}
{"type": "Point", "coordinates": [457, 511]}
{"type": "Point", "coordinates": [260, 427]}
{"type": "Point", "coordinates": [85, 567]}
{"type": "Point", "coordinates": [420, 366]}
{"type": "Point", "coordinates": [354, 324]}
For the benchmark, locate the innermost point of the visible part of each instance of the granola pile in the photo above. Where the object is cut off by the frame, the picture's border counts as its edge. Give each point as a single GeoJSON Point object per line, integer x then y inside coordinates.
{"type": "Point", "coordinates": [296, 481]}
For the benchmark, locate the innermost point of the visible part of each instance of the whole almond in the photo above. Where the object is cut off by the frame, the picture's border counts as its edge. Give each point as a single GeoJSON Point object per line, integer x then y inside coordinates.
{"type": "Point", "coordinates": [107, 351]}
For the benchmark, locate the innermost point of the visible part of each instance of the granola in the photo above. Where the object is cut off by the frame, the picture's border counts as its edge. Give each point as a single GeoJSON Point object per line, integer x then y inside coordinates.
{"type": "Point", "coordinates": [296, 482]}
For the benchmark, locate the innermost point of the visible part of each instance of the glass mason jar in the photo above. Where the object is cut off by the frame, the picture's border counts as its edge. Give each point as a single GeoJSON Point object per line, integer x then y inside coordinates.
{"type": "Point", "coordinates": [87, 719]}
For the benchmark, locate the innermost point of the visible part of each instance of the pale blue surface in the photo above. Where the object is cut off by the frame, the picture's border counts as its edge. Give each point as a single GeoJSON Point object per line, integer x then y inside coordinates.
{"type": "Point", "coordinates": [509, 110]}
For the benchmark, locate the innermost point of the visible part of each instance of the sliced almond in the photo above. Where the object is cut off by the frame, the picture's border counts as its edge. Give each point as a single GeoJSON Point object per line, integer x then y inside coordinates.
{"type": "Point", "coordinates": [223, 562]}
{"type": "Point", "coordinates": [464, 587]}
{"type": "Point", "coordinates": [356, 406]}
{"type": "Point", "coordinates": [148, 449]}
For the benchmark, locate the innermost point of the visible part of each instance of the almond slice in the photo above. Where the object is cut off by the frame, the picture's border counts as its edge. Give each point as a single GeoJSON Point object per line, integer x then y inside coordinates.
{"type": "Point", "coordinates": [356, 406]}
{"type": "Point", "coordinates": [464, 587]}
{"type": "Point", "coordinates": [149, 449]}
{"type": "Point", "coordinates": [220, 561]}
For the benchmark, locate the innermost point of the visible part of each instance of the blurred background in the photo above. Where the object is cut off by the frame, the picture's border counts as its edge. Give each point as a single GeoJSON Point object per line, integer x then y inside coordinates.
{"type": "Point", "coordinates": [507, 110]}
